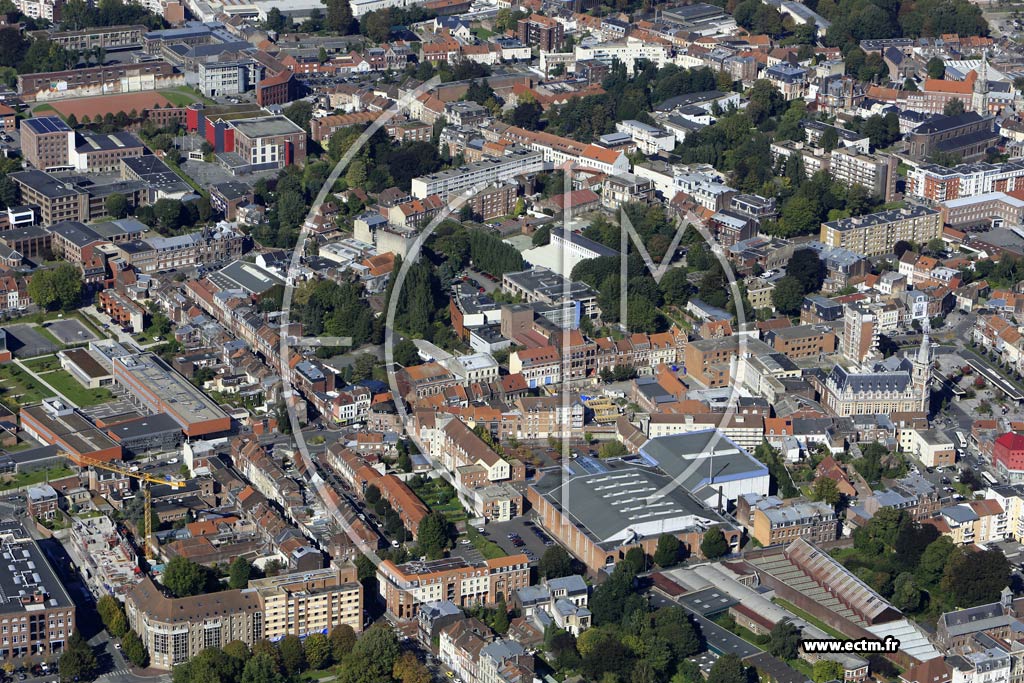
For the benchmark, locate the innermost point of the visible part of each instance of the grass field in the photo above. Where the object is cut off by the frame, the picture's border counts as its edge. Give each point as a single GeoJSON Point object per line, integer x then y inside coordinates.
{"type": "Point", "coordinates": [43, 364]}
{"type": "Point", "coordinates": [18, 388]}
{"type": "Point", "coordinates": [178, 99]}
{"type": "Point", "coordinates": [75, 392]}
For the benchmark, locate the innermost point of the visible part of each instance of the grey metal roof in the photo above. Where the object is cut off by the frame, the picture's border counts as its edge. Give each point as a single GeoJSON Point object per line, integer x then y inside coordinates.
{"type": "Point", "coordinates": [701, 458]}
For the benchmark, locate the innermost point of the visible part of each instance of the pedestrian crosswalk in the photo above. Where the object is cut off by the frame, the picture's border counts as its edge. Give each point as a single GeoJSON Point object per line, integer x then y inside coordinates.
{"type": "Point", "coordinates": [116, 673]}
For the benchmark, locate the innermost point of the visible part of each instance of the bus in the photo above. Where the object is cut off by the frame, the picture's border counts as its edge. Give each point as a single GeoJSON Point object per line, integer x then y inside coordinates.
{"type": "Point", "coordinates": [992, 481]}
{"type": "Point", "coordinates": [961, 440]}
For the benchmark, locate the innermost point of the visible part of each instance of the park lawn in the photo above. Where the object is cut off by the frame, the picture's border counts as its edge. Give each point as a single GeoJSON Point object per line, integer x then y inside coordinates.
{"type": "Point", "coordinates": [63, 382]}
{"type": "Point", "coordinates": [19, 388]}
{"type": "Point", "coordinates": [482, 33]}
{"type": "Point", "coordinates": [42, 363]}
{"type": "Point", "coordinates": [30, 478]}
{"type": "Point", "coordinates": [439, 496]}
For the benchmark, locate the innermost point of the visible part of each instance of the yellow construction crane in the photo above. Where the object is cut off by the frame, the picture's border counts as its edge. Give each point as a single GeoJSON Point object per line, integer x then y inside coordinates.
{"type": "Point", "coordinates": [145, 480]}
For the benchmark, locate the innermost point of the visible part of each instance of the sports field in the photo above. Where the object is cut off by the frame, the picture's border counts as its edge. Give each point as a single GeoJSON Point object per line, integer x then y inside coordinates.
{"type": "Point", "coordinates": [99, 106]}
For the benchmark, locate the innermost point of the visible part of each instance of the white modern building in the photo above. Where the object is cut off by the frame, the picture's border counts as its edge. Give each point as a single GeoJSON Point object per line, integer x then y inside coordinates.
{"type": "Point", "coordinates": [481, 173]}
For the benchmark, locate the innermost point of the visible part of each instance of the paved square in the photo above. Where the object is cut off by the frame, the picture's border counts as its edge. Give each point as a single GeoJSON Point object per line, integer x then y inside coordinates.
{"type": "Point", "coordinates": [71, 331]}
{"type": "Point", "coordinates": [24, 341]}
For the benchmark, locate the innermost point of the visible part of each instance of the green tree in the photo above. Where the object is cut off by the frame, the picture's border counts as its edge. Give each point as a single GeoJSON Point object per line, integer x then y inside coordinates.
{"type": "Point", "coordinates": [134, 649]}
{"type": "Point", "coordinates": [168, 215]}
{"type": "Point", "coordinates": [339, 16]}
{"type": "Point", "coordinates": [58, 287]}
{"type": "Point", "coordinates": [612, 449]}
{"type": "Point", "coordinates": [276, 21]}
{"type": "Point", "coordinates": [976, 578]}
{"type": "Point", "coordinates": [807, 268]}
{"type": "Point", "coordinates": [608, 600]}
{"type": "Point", "coordinates": [373, 656]}
{"type": "Point", "coordinates": [953, 107]}
{"type": "Point", "coordinates": [300, 112]}
{"type": "Point", "coordinates": [667, 553]}
{"type": "Point", "coordinates": [262, 668]}
{"type": "Point", "coordinates": [318, 651]}
{"type": "Point", "coordinates": [527, 115]}
{"type": "Point", "coordinates": [434, 535]}
{"type": "Point", "coordinates": [77, 662]}
{"type": "Point", "coordinates": [555, 563]}
{"type": "Point", "coordinates": [933, 562]}
{"type": "Point", "coordinates": [293, 658]}
{"type": "Point", "coordinates": [729, 669]}
{"type": "Point", "coordinates": [784, 640]}
{"type": "Point", "coordinates": [788, 295]}
{"type": "Point", "coordinates": [183, 577]}
{"type": "Point", "coordinates": [714, 544]}
{"type": "Point", "coordinates": [826, 490]}
{"type": "Point", "coordinates": [376, 25]}
{"type": "Point", "coordinates": [343, 639]}
{"type": "Point", "coordinates": [936, 67]}
{"type": "Point", "coordinates": [112, 615]}
{"type": "Point", "coordinates": [116, 205]}
{"type": "Point", "coordinates": [238, 651]}
{"type": "Point", "coordinates": [239, 572]}
{"type": "Point", "coordinates": [501, 622]}
{"type": "Point", "coordinates": [906, 596]}
{"type": "Point", "coordinates": [829, 139]}
{"type": "Point", "coordinates": [825, 670]}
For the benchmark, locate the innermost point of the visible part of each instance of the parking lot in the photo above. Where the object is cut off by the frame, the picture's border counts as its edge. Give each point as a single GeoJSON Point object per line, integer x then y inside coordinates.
{"type": "Point", "coordinates": [70, 331]}
{"type": "Point", "coordinates": [527, 532]}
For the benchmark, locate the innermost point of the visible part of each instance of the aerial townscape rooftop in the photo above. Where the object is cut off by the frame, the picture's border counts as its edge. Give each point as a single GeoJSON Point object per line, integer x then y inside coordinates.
{"type": "Point", "coordinates": [409, 341]}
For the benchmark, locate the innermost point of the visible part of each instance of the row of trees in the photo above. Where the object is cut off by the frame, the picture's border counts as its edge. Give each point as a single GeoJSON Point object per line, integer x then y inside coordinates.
{"type": "Point", "coordinates": [116, 622]}
{"type": "Point", "coordinates": [856, 20]}
{"type": "Point", "coordinates": [373, 657]}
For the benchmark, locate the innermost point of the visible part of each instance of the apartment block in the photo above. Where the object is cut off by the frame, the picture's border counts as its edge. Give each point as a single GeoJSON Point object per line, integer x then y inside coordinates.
{"type": "Point", "coordinates": [874, 172]}
{"type": "Point", "coordinates": [37, 615]}
{"type": "Point", "coordinates": [803, 341]}
{"type": "Point", "coordinates": [309, 602]}
{"type": "Point", "coordinates": [875, 234]}
{"type": "Point", "coordinates": [772, 520]}
{"type": "Point", "coordinates": [406, 587]}
{"type": "Point", "coordinates": [45, 141]}
{"type": "Point", "coordinates": [269, 141]}
{"type": "Point", "coordinates": [860, 333]}
{"type": "Point", "coordinates": [481, 173]}
{"type": "Point", "coordinates": [174, 630]}
{"type": "Point", "coordinates": [543, 32]}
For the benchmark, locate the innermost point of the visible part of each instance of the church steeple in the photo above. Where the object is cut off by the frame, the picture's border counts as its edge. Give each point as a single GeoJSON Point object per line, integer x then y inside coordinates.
{"type": "Point", "coordinates": [979, 96]}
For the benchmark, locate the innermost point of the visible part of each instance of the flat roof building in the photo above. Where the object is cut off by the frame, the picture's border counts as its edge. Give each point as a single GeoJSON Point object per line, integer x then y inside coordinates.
{"type": "Point", "coordinates": [56, 423]}
{"type": "Point", "coordinates": [152, 384]}
{"type": "Point", "coordinates": [35, 609]}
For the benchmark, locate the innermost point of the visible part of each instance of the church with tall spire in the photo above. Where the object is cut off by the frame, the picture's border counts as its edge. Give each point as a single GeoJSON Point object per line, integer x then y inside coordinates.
{"type": "Point", "coordinates": [980, 92]}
